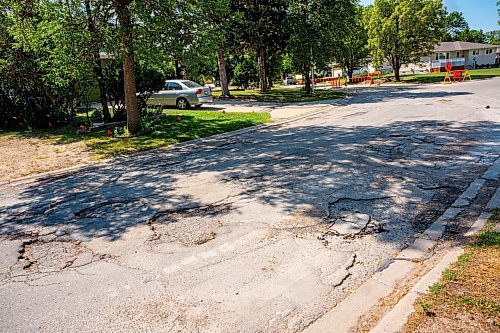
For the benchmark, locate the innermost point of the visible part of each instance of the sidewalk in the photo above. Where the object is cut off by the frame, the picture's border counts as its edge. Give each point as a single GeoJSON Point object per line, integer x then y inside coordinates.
{"type": "Point", "coordinates": [278, 111]}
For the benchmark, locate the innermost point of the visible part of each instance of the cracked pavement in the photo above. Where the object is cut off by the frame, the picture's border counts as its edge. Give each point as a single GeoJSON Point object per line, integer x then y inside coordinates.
{"type": "Point", "coordinates": [261, 232]}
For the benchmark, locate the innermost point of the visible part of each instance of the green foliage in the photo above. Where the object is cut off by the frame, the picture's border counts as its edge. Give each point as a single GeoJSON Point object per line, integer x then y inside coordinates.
{"type": "Point", "coordinates": [473, 36]}
{"type": "Point", "coordinates": [464, 259]}
{"type": "Point", "coordinates": [424, 306]}
{"type": "Point", "coordinates": [97, 116]}
{"type": "Point", "coordinates": [50, 49]}
{"type": "Point", "coordinates": [493, 37]}
{"type": "Point", "coordinates": [449, 275]}
{"type": "Point", "coordinates": [488, 238]}
{"type": "Point", "coordinates": [148, 80]}
{"type": "Point", "coordinates": [317, 30]}
{"type": "Point", "coordinates": [455, 24]}
{"type": "Point", "coordinates": [245, 72]}
{"type": "Point", "coordinates": [402, 31]}
{"type": "Point", "coordinates": [436, 287]}
{"type": "Point", "coordinates": [353, 52]}
{"type": "Point", "coordinates": [261, 30]}
{"type": "Point", "coordinates": [45, 61]}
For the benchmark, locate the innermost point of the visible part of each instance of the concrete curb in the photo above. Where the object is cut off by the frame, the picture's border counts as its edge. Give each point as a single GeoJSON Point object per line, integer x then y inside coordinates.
{"type": "Point", "coordinates": [392, 272]}
{"type": "Point", "coordinates": [80, 167]}
{"type": "Point", "coordinates": [397, 317]}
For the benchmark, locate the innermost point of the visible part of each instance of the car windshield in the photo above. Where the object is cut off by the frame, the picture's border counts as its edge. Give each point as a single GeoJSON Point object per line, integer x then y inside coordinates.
{"type": "Point", "coordinates": [191, 84]}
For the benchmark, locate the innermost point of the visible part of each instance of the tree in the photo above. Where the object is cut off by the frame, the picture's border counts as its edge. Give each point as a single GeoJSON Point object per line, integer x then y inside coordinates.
{"type": "Point", "coordinates": [403, 31]}
{"type": "Point", "coordinates": [96, 19]}
{"type": "Point", "coordinates": [353, 52]}
{"type": "Point", "coordinates": [46, 67]}
{"type": "Point", "coordinates": [455, 24]}
{"type": "Point", "coordinates": [261, 30]}
{"type": "Point", "coordinates": [124, 15]}
{"type": "Point", "coordinates": [219, 18]}
{"type": "Point", "coordinates": [493, 37]}
{"type": "Point", "coordinates": [318, 29]}
{"type": "Point", "coordinates": [473, 36]}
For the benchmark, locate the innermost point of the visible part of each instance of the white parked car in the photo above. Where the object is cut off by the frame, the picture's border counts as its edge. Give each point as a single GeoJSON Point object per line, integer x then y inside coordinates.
{"type": "Point", "coordinates": [289, 81]}
{"type": "Point", "coordinates": [181, 93]}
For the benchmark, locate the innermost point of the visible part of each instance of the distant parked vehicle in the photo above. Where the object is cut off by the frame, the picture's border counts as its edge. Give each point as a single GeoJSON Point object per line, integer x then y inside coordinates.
{"type": "Point", "coordinates": [181, 93]}
{"type": "Point", "coordinates": [360, 71]}
{"type": "Point", "coordinates": [289, 81]}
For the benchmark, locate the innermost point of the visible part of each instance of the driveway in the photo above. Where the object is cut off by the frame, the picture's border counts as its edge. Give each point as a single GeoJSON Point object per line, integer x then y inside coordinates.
{"type": "Point", "coordinates": [263, 232]}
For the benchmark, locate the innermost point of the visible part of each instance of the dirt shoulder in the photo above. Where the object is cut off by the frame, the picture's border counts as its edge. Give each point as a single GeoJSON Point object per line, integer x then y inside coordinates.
{"type": "Point", "coordinates": [466, 299]}
{"type": "Point", "coordinates": [24, 155]}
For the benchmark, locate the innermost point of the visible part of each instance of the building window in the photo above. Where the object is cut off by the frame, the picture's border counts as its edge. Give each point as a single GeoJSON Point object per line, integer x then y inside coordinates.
{"type": "Point", "coordinates": [458, 54]}
{"type": "Point", "coordinates": [490, 51]}
{"type": "Point", "coordinates": [475, 52]}
{"type": "Point", "coordinates": [443, 55]}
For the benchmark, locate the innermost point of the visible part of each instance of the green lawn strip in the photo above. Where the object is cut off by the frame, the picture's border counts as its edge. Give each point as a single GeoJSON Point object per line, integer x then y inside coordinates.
{"type": "Point", "coordinates": [476, 74]}
{"type": "Point", "coordinates": [283, 95]}
{"type": "Point", "coordinates": [469, 285]}
{"type": "Point", "coordinates": [162, 132]}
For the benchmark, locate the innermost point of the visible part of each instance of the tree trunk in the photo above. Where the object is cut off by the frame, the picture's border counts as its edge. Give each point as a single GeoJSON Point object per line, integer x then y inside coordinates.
{"type": "Point", "coordinates": [307, 79]}
{"type": "Point", "coordinates": [222, 73]}
{"type": "Point", "coordinates": [397, 68]}
{"type": "Point", "coordinates": [97, 66]}
{"type": "Point", "coordinates": [178, 69]}
{"type": "Point", "coordinates": [350, 71]}
{"type": "Point", "coordinates": [396, 74]}
{"type": "Point", "coordinates": [270, 81]}
{"type": "Point", "coordinates": [125, 20]}
{"type": "Point", "coordinates": [261, 57]}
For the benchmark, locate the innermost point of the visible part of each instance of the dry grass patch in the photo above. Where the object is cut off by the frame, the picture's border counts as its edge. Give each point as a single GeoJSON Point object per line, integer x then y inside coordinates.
{"type": "Point", "coordinates": [466, 299]}
{"type": "Point", "coordinates": [27, 154]}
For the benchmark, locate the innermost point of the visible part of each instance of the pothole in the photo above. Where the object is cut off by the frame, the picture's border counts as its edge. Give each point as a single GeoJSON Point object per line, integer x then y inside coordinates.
{"type": "Point", "coordinates": [41, 256]}
{"type": "Point", "coordinates": [350, 224]}
{"type": "Point", "coordinates": [356, 217]}
{"type": "Point", "coordinates": [104, 208]}
{"type": "Point", "coordinates": [190, 226]}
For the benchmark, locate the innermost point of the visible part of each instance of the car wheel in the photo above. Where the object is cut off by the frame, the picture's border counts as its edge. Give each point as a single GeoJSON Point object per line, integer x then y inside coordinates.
{"type": "Point", "coordinates": [182, 103]}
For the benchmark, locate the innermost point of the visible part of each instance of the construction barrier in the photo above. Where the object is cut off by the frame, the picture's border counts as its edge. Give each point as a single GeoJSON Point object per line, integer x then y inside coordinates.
{"type": "Point", "coordinates": [362, 79]}
{"type": "Point", "coordinates": [335, 81]}
{"type": "Point", "coordinates": [459, 75]}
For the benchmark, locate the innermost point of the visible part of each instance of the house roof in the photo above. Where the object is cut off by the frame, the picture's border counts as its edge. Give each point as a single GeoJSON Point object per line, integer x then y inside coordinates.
{"type": "Point", "coordinates": [462, 46]}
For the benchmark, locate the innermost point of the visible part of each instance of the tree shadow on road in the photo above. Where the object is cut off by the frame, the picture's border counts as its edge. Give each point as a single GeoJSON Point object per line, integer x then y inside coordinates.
{"type": "Point", "coordinates": [403, 175]}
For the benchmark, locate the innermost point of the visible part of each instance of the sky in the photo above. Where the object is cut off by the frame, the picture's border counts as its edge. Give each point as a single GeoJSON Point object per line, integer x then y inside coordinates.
{"type": "Point", "coordinates": [480, 14]}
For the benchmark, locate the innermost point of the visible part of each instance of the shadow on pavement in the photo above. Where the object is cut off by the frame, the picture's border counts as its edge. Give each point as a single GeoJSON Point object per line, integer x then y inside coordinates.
{"type": "Point", "coordinates": [402, 175]}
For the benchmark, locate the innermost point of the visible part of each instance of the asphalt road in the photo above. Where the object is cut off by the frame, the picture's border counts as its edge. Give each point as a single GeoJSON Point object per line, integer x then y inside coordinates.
{"type": "Point", "coordinates": [263, 232]}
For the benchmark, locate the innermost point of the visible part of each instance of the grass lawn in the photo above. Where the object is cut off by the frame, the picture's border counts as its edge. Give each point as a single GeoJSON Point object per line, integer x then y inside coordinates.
{"type": "Point", "coordinates": [168, 130]}
{"type": "Point", "coordinates": [466, 299]}
{"type": "Point", "coordinates": [282, 95]}
{"type": "Point", "coordinates": [163, 132]}
{"type": "Point", "coordinates": [476, 74]}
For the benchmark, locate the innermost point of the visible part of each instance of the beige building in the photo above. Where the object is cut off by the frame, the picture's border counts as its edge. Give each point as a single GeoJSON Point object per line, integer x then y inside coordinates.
{"type": "Point", "coordinates": [459, 54]}
{"type": "Point", "coordinates": [464, 54]}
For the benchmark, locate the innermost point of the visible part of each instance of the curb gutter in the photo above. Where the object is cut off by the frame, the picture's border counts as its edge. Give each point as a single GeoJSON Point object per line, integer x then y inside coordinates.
{"type": "Point", "coordinates": [392, 272]}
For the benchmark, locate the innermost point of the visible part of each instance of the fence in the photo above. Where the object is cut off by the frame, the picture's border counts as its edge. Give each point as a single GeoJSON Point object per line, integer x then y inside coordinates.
{"type": "Point", "coordinates": [439, 65]}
